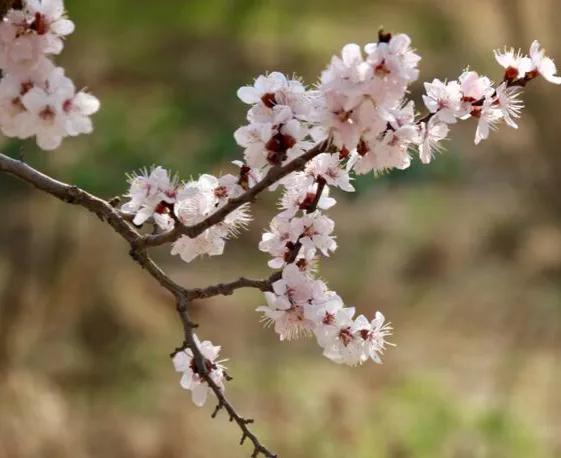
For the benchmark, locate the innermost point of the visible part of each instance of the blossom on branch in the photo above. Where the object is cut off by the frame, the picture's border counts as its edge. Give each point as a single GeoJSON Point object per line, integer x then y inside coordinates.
{"type": "Point", "coordinates": [515, 63]}
{"type": "Point", "coordinates": [198, 199]}
{"type": "Point", "coordinates": [151, 195]}
{"type": "Point", "coordinates": [185, 362]}
{"type": "Point", "coordinates": [543, 65]}
{"type": "Point", "coordinates": [286, 303]}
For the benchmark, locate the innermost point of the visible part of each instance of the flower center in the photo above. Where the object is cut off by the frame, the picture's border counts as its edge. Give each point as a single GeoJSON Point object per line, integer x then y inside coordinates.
{"type": "Point", "coordinates": [221, 192]}
{"type": "Point", "coordinates": [16, 103]}
{"type": "Point", "coordinates": [278, 146]}
{"type": "Point", "coordinates": [25, 87]}
{"type": "Point", "coordinates": [47, 114]}
{"type": "Point", "coordinates": [209, 365]}
{"type": "Point", "coordinates": [328, 318]}
{"type": "Point", "coordinates": [365, 334]}
{"type": "Point", "coordinates": [346, 336]}
{"type": "Point", "coordinates": [362, 148]}
{"type": "Point", "coordinates": [39, 24]}
{"type": "Point", "coordinates": [308, 201]}
{"type": "Point", "coordinates": [381, 70]}
{"type": "Point", "coordinates": [511, 74]}
{"type": "Point", "coordinates": [269, 100]}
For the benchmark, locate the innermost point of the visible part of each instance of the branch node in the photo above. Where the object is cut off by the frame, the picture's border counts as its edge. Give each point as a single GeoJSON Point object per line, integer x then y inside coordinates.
{"type": "Point", "coordinates": [114, 201]}
{"type": "Point", "coordinates": [178, 349]}
{"type": "Point", "coordinates": [218, 408]}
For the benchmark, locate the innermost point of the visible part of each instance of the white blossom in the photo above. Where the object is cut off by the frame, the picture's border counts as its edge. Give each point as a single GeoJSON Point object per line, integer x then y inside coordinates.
{"type": "Point", "coordinates": [300, 194]}
{"type": "Point", "coordinates": [542, 64]}
{"type": "Point", "coordinates": [351, 341]}
{"type": "Point", "coordinates": [286, 304]}
{"type": "Point", "coordinates": [444, 99]}
{"type": "Point", "coordinates": [339, 341]}
{"type": "Point", "coordinates": [278, 241]}
{"type": "Point", "coordinates": [191, 379]}
{"type": "Point", "coordinates": [151, 195]}
{"type": "Point", "coordinates": [474, 88]}
{"type": "Point", "coordinates": [315, 233]}
{"type": "Point", "coordinates": [324, 314]}
{"type": "Point", "coordinates": [515, 63]}
{"type": "Point", "coordinates": [488, 116]}
{"type": "Point", "coordinates": [253, 138]}
{"type": "Point", "coordinates": [272, 94]}
{"type": "Point", "coordinates": [197, 200]}
{"type": "Point", "coordinates": [264, 89]}
{"type": "Point", "coordinates": [508, 102]}
{"type": "Point", "coordinates": [431, 134]}
{"type": "Point", "coordinates": [331, 169]}
{"type": "Point", "coordinates": [268, 144]}
{"type": "Point", "coordinates": [28, 35]}
{"type": "Point", "coordinates": [394, 60]}
{"type": "Point", "coordinates": [210, 243]}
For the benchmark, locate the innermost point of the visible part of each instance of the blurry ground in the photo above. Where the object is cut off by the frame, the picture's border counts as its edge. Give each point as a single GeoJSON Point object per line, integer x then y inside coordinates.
{"type": "Point", "coordinates": [464, 257]}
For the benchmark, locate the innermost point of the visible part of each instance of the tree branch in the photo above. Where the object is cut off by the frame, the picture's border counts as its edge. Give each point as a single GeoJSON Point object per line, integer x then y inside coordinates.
{"type": "Point", "coordinates": [223, 402]}
{"type": "Point", "coordinates": [139, 243]}
{"type": "Point", "coordinates": [292, 254]}
{"type": "Point", "coordinates": [70, 194]}
{"type": "Point", "coordinates": [226, 289]}
{"type": "Point", "coordinates": [76, 196]}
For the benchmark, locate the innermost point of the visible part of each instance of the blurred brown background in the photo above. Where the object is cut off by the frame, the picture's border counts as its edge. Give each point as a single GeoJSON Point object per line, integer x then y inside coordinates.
{"type": "Point", "coordinates": [463, 256]}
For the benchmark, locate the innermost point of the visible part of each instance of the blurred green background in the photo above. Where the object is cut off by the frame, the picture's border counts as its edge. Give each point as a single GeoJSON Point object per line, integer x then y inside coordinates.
{"type": "Point", "coordinates": [464, 256]}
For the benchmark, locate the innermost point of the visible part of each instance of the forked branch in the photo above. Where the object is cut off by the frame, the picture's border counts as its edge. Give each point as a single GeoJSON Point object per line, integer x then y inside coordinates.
{"type": "Point", "coordinates": [138, 251]}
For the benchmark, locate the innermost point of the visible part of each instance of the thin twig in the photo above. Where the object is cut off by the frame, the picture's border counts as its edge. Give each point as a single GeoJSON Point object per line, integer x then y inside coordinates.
{"type": "Point", "coordinates": [223, 402]}
{"type": "Point", "coordinates": [70, 194]}
{"type": "Point", "coordinates": [294, 248]}
{"type": "Point", "coordinates": [226, 289]}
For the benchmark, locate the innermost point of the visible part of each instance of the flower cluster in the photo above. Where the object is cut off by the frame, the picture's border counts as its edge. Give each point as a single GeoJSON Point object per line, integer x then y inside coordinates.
{"type": "Point", "coordinates": [152, 195]}
{"type": "Point", "coordinates": [301, 304]}
{"type": "Point", "coordinates": [157, 197]}
{"type": "Point", "coordinates": [473, 95]}
{"type": "Point", "coordinates": [185, 362]}
{"type": "Point", "coordinates": [197, 200]}
{"type": "Point", "coordinates": [36, 98]}
{"type": "Point", "coordinates": [280, 108]}
{"type": "Point", "coordinates": [360, 105]}
{"type": "Point", "coordinates": [360, 115]}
